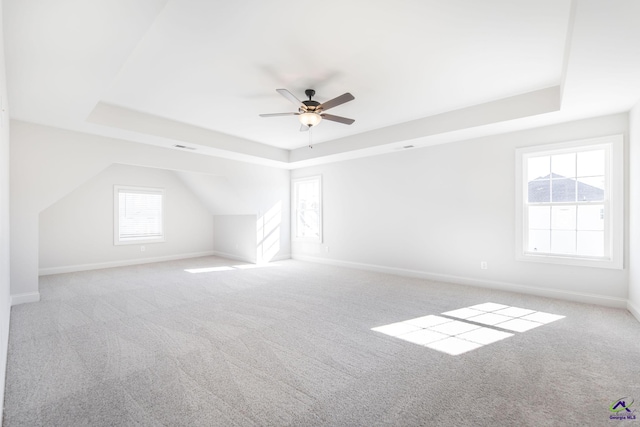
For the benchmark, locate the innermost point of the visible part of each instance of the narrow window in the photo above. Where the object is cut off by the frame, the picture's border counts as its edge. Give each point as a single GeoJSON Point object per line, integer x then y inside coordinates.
{"type": "Point", "coordinates": [138, 215]}
{"type": "Point", "coordinates": [307, 209]}
{"type": "Point", "coordinates": [570, 203]}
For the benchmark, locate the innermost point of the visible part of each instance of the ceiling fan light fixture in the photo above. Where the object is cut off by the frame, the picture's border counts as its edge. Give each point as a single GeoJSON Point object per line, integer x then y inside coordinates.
{"type": "Point", "coordinates": [310, 119]}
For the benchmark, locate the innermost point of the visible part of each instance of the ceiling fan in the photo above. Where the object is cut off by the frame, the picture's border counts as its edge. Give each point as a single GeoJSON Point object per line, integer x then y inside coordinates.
{"type": "Point", "coordinates": [311, 112]}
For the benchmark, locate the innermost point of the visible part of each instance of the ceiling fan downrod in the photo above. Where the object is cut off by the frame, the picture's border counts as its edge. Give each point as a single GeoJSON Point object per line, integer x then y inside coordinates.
{"type": "Point", "coordinates": [310, 93]}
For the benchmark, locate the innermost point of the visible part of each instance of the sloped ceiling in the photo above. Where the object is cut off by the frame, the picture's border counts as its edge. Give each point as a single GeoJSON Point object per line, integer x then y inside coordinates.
{"type": "Point", "coordinates": [197, 73]}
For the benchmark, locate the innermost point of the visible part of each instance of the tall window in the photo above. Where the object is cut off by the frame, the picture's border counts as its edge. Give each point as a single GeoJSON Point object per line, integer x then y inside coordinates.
{"type": "Point", "coordinates": [307, 208]}
{"type": "Point", "coordinates": [570, 203]}
{"type": "Point", "coordinates": [138, 215]}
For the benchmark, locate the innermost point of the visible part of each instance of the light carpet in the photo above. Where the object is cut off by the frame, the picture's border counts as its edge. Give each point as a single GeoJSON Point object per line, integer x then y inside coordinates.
{"type": "Point", "coordinates": [291, 345]}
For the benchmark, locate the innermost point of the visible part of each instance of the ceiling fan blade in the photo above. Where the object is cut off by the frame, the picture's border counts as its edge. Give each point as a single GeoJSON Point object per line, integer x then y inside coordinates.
{"type": "Point", "coordinates": [291, 97]}
{"type": "Point", "coordinates": [278, 114]}
{"type": "Point", "coordinates": [338, 119]}
{"type": "Point", "coordinates": [304, 128]}
{"type": "Point", "coordinates": [345, 97]}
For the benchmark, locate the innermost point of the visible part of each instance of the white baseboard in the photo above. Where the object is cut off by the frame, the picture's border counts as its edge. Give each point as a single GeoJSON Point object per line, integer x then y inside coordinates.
{"type": "Point", "coordinates": [633, 309]}
{"type": "Point", "coordinates": [280, 258]}
{"type": "Point", "coordinates": [121, 263]}
{"type": "Point", "coordinates": [504, 286]}
{"type": "Point", "coordinates": [124, 263]}
{"type": "Point", "coordinates": [25, 298]}
{"type": "Point", "coordinates": [234, 257]}
{"type": "Point", "coordinates": [247, 259]}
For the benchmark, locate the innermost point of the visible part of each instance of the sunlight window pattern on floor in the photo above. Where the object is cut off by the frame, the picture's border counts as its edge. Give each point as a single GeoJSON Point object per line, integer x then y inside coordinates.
{"type": "Point", "coordinates": [228, 268]}
{"type": "Point", "coordinates": [448, 335]}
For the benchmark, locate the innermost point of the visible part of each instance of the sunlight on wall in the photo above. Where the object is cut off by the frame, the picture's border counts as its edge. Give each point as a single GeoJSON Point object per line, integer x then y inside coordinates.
{"type": "Point", "coordinates": [481, 324]}
{"type": "Point", "coordinates": [268, 234]}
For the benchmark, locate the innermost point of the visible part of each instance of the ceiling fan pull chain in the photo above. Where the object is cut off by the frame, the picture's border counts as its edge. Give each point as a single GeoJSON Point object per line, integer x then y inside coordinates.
{"type": "Point", "coordinates": [310, 146]}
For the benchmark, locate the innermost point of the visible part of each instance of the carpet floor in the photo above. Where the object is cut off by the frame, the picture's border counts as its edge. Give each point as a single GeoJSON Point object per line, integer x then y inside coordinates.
{"type": "Point", "coordinates": [210, 342]}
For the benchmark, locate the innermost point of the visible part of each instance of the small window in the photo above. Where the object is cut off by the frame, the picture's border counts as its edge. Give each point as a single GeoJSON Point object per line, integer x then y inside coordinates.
{"type": "Point", "coordinates": [307, 209]}
{"type": "Point", "coordinates": [569, 203]}
{"type": "Point", "coordinates": [138, 215]}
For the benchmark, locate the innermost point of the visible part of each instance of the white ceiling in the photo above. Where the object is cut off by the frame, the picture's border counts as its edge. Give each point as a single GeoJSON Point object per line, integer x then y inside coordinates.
{"type": "Point", "coordinates": [198, 72]}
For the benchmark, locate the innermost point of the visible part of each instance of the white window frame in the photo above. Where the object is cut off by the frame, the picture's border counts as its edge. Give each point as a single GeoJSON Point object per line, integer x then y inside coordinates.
{"type": "Point", "coordinates": [614, 202]}
{"type": "Point", "coordinates": [117, 189]}
{"type": "Point", "coordinates": [294, 210]}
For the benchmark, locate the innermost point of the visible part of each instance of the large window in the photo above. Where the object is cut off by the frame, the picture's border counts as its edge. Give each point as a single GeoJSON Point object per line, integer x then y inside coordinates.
{"type": "Point", "coordinates": [570, 203]}
{"type": "Point", "coordinates": [307, 209]}
{"type": "Point", "coordinates": [138, 215]}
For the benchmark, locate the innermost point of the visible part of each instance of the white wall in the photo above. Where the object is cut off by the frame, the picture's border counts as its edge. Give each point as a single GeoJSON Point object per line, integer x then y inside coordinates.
{"type": "Point", "coordinates": [49, 163]}
{"type": "Point", "coordinates": [5, 299]}
{"type": "Point", "coordinates": [634, 211]}
{"type": "Point", "coordinates": [439, 211]}
{"type": "Point", "coordinates": [77, 231]}
{"type": "Point", "coordinates": [234, 237]}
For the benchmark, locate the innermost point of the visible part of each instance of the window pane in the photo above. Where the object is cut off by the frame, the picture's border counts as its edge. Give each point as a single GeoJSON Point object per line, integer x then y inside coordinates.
{"type": "Point", "coordinates": [563, 217]}
{"type": "Point", "coordinates": [538, 167]}
{"type": "Point", "coordinates": [591, 243]}
{"type": "Point", "coordinates": [563, 242]}
{"type": "Point", "coordinates": [308, 224]}
{"type": "Point", "coordinates": [307, 192]}
{"type": "Point", "coordinates": [563, 190]}
{"type": "Point", "coordinates": [568, 206]}
{"type": "Point", "coordinates": [539, 241]}
{"type": "Point", "coordinates": [591, 163]}
{"type": "Point", "coordinates": [563, 165]}
{"type": "Point", "coordinates": [307, 208]}
{"type": "Point", "coordinates": [591, 217]}
{"type": "Point", "coordinates": [539, 191]}
{"type": "Point", "coordinates": [591, 189]}
{"type": "Point", "coordinates": [140, 215]}
{"type": "Point", "coordinates": [540, 217]}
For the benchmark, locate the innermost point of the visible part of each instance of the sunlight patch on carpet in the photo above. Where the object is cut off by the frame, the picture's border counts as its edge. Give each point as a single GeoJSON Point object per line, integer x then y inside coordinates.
{"type": "Point", "coordinates": [228, 268]}
{"type": "Point", "coordinates": [478, 325]}
{"type": "Point", "coordinates": [208, 269]}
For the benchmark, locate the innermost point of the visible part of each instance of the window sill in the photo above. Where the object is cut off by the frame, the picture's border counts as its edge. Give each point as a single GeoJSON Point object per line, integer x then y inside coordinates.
{"type": "Point", "coordinates": [571, 261]}
{"type": "Point", "coordinates": [138, 241]}
{"type": "Point", "coordinates": [317, 240]}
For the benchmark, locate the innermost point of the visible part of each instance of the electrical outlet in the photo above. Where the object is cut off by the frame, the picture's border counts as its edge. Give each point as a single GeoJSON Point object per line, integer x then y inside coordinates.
{"type": "Point", "coordinates": [326, 249]}
{"type": "Point", "coordinates": [143, 248]}
{"type": "Point", "coordinates": [483, 265]}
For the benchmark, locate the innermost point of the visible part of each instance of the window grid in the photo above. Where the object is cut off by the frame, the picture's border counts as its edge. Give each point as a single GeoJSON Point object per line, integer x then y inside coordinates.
{"type": "Point", "coordinates": [555, 201]}
{"type": "Point", "coordinates": [585, 201]}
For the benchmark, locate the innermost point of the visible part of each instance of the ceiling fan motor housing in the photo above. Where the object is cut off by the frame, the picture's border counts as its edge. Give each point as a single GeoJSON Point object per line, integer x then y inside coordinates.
{"type": "Point", "coordinates": [310, 104]}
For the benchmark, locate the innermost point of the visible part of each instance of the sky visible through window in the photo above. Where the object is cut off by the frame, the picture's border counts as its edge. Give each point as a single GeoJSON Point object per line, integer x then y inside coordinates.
{"type": "Point", "coordinates": [459, 331]}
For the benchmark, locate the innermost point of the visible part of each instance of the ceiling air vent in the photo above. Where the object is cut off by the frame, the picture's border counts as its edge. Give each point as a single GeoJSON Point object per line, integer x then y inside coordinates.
{"type": "Point", "coordinates": [184, 147]}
